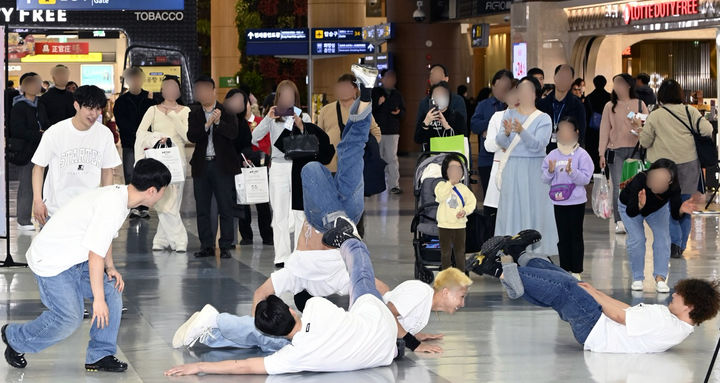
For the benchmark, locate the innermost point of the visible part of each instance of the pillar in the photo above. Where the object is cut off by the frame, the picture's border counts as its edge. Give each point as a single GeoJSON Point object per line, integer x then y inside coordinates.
{"type": "Point", "coordinates": [224, 53]}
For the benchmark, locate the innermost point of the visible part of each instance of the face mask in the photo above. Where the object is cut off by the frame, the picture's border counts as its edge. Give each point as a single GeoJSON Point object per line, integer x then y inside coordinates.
{"type": "Point", "coordinates": [441, 102]}
{"type": "Point", "coordinates": [567, 149]}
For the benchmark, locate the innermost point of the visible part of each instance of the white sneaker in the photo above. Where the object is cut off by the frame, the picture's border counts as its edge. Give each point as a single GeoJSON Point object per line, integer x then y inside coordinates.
{"type": "Point", "coordinates": [365, 74]}
{"type": "Point", "coordinates": [636, 286]}
{"type": "Point", "coordinates": [30, 227]}
{"type": "Point", "coordinates": [577, 276]}
{"type": "Point", "coordinates": [191, 331]}
{"type": "Point", "coordinates": [620, 228]}
{"type": "Point", "coordinates": [662, 287]}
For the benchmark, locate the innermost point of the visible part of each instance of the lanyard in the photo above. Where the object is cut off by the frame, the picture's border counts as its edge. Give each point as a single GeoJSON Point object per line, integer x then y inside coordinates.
{"type": "Point", "coordinates": [459, 195]}
{"type": "Point", "coordinates": [557, 116]}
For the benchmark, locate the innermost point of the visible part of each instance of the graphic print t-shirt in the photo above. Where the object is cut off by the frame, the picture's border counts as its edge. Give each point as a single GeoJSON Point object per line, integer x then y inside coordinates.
{"type": "Point", "coordinates": [75, 160]}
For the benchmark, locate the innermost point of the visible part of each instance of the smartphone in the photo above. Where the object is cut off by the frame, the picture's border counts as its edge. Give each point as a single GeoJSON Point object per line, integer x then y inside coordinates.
{"type": "Point", "coordinates": [284, 112]}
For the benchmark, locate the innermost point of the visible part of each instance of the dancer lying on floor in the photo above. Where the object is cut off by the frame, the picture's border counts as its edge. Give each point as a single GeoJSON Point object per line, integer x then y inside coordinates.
{"type": "Point", "coordinates": [411, 302]}
{"type": "Point", "coordinates": [599, 322]}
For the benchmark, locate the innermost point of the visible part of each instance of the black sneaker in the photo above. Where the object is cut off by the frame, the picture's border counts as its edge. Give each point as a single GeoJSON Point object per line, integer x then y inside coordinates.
{"type": "Point", "coordinates": [336, 237]}
{"type": "Point", "coordinates": [400, 343]}
{"type": "Point", "coordinates": [517, 244]}
{"type": "Point", "coordinates": [204, 253]}
{"type": "Point", "coordinates": [346, 225]}
{"type": "Point", "coordinates": [488, 252]}
{"type": "Point", "coordinates": [225, 253]}
{"type": "Point", "coordinates": [485, 265]}
{"type": "Point", "coordinates": [13, 357]}
{"type": "Point", "coordinates": [675, 251]}
{"type": "Point", "coordinates": [396, 191]}
{"type": "Point", "coordinates": [246, 242]}
{"type": "Point", "coordinates": [107, 364]}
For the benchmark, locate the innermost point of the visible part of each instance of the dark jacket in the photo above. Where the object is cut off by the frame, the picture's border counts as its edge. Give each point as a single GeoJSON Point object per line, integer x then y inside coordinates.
{"type": "Point", "coordinates": [479, 122]}
{"type": "Point", "coordinates": [570, 106]}
{"type": "Point", "coordinates": [129, 110]}
{"type": "Point", "coordinates": [457, 103]}
{"type": "Point", "coordinates": [646, 94]}
{"type": "Point", "coordinates": [456, 121]}
{"type": "Point", "coordinates": [324, 156]}
{"type": "Point", "coordinates": [58, 105]}
{"type": "Point", "coordinates": [389, 123]}
{"type": "Point", "coordinates": [654, 202]}
{"type": "Point", "coordinates": [26, 123]}
{"type": "Point", "coordinates": [595, 103]}
{"type": "Point", "coordinates": [223, 138]}
{"type": "Point", "coordinates": [10, 94]}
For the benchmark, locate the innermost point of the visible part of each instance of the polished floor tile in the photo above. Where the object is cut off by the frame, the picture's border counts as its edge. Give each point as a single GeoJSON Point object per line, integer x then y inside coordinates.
{"type": "Point", "coordinates": [493, 339]}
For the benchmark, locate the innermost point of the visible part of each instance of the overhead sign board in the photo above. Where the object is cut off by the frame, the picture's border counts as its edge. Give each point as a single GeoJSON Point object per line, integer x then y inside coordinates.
{"type": "Point", "coordinates": [480, 35]}
{"type": "Point", "coordinates": [383, 31]}
{"type": "Point", "coordinates": [103, 5]}
{"type": "Point", "coordinates": [276, 42]}
{"type": "Point", "coordinates": [255, 35]}
{"type": "Point", "coordinates": [336, 34]}
{"type": "Point", "coordinates": [340, 48]}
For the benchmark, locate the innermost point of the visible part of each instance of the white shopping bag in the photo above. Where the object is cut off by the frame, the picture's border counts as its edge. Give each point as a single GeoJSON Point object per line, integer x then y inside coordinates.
{"type": "Point", "coordinates": [252, 186]}
{"type": "Point", "coordinates": [171, 158]}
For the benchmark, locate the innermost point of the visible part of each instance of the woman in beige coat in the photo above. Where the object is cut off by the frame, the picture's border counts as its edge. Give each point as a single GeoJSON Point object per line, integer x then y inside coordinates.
{"type": "Point", "coordinates": [168, 120]}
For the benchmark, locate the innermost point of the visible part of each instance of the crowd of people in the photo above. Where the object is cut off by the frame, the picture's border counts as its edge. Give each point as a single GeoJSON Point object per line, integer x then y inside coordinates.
{"type": "Point", "coordinates": [538, 151]}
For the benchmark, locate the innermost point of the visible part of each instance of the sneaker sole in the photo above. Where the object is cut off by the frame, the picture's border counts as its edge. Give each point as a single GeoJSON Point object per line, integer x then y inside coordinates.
{"type": "Point", "coordinates": [99, 369]}
{"type": "Point", "coordinates": [202, 314]}
{"type": "Point", "coordinates": [179, 337]}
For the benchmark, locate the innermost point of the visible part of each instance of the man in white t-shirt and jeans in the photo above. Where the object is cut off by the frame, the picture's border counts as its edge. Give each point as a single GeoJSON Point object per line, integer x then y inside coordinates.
{"type": "Point", "coordinates": [72, 261]}
{"type": "Point", "coordinates": [599, 322]}
{"type": "Point", "coordinates": [79, 152]}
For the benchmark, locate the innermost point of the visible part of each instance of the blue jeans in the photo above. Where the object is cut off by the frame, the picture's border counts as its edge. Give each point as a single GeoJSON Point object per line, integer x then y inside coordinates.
{"type": "Point", "coordinates": [326, 198]}
{"type": "Point", "coordinates": [680, 228]}
{"type": "Point", "coordinates": [548, 285]}
{"type": "Point", "coordinates": [239, 332]}
{"type": "Point", "coordinates": [659, 223]}
{"type": "Point", "coordinates": [362, 276]}
{"type": "Point", "coordinates": [63, 295]}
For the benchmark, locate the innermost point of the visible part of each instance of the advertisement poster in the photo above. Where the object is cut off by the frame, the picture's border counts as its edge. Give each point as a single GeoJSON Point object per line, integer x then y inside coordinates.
{"type": "Point", "coordinates": [155, 74]}
{"type": "Point", "coordinates": [98, 75]}
{"type": "Point", "coordinates": [519, 66]}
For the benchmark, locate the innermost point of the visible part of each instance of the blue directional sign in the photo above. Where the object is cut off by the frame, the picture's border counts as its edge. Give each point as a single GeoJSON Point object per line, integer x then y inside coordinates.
{"type": "Point", "coordinates": [276, 42]}
{"type": "Point", "coordinates": [341, 48]}
{"type": "Point", "coordinates": [103, 5]}
{"type": "Point", "coordinates": [336, 34]}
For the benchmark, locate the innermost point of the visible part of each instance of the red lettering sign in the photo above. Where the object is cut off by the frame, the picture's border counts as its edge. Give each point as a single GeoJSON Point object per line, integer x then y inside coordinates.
{"type": "Point", "coordinates": [46, 48]}
{"type": "Point", "coordinates": [642, 11]}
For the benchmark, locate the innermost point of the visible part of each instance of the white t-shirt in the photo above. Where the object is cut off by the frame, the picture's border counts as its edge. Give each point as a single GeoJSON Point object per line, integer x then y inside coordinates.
{"type": "Point", "coordinates": [413, 301]}
{"type": "Point", "coordinates": [647, 329]}
{"type": "Point", "coordinates": [332, 339]}
{"type": "Point", "coordinates": [74, 159]}
{"type": "Point", "coordinates": [87, 223]}
{"type": "Point", "coordinates": [320, 272]}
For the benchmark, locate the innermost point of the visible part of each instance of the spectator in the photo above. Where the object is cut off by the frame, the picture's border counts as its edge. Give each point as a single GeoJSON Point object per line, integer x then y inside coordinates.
{"type": "Point", "coordinates": [10, 94]}
{"type": "Point", "coordinates": [333, 116]}
{"type": "Point", "coordinates": [167, 124]}
{"type": "Point", "coordinates": [286, 97]}
{"type": "Point", "coordinates": [438, 73]}
{"type": "Point", "coordinates": [61, 149]}
{"type": "Point", "coordinates": [26, 127]}
{"type": "Point", "coordinates": [539, 75]}
{"type": "Point", "coordinates": [560, 103]}
{"type": "Point", "coordinates": [441, 120]}
{"type": "Point", "coordinates": [666, 135]}
{"type": "Point", "coordinates": [388, 109]}
{"type": "Point", "coordinates": [501, 85]}
{"type": "Point", "coordinates": [524, 201]}
{"type": "Point", "coordinates": [238, 102]}
{"type": "Point", "coordinates": [645, 199]}
{"type": "Point", "coordinates": [578, 89]}
{"type": "Point", "coordinates": [71, 86]}
{"type": "Point", "coordinates": [644, 92]}
{"type": "Point", "coordinates": [594, 105]}
{"type": "Point", "coordinates": [214, 165]}
{"type": "Point", "coordinates": [483, 94]}
{"type": "Point", "coordinates": [57, 100]}
{"type": "Point", "coordinates": [129, 110]}
{"type": "Point", "coordinates": [45, 86]}
{"type": "Point", "coordinates": [617, 141]}
{"type": "Point", "coordinates": [462, 91]}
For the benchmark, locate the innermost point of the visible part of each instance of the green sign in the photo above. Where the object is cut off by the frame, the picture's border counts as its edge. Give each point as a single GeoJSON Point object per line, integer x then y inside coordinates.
{"type": "Point", "coordinates": [228, 82]}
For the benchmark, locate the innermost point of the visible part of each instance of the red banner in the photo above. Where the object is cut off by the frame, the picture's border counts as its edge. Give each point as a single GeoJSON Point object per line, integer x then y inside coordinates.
{"type": "Point", "coordinates": [80, 48]}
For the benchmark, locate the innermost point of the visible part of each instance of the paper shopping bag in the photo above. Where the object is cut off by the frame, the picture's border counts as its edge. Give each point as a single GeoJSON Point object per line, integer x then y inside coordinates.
{"type": "Point", "coordinates": [171, 158]}
{"type": "Point", "coordinates": [252, 186]}
{"type": "Point", "coordinates": [457, 144]}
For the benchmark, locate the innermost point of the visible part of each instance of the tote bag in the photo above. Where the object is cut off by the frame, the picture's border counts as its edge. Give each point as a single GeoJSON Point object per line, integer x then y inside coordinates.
{"type": "Point", "coordinates": [251, 185]}
{"type": "Point", "coordinates": [456, 143]}
{"type": "Point", "coordinates": [170, 157]}
{"type": "Point", "coordinates": [633, 166]}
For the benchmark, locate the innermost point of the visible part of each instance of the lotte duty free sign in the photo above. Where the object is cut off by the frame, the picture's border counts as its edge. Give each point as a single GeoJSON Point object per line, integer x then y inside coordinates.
{"type": "Point", "coordinates": [642, 11]}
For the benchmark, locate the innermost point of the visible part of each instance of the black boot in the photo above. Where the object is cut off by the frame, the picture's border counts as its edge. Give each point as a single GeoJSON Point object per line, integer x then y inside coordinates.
{"type": "Point", "coordinates": [13, 357]}
{"type": "Point", "coordinates": [107, 364]}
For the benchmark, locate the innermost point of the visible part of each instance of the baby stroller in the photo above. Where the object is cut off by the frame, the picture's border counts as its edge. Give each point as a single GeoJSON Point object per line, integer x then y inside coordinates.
{"type": "Point", "coordinates": [424, 224]}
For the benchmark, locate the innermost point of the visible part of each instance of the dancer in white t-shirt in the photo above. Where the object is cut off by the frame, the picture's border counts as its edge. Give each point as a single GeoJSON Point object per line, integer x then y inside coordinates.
{"type": "Point", "coordinates": [79, 152]}
{"type": "Point", "coordinates": [72, 261]}
{"type": "Point", "coordinates": [599, 322]}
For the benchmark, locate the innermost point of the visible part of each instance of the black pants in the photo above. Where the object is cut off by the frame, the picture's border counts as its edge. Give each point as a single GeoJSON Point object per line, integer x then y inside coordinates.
{"type": "Point", "coordinates": [569, 222]}
{"type": "Point", "coordinates": [264, 220]}
{"type": "Point", "coordinates": [222, 186]}
{"type": "Point", "coordinates": [592, 140]}
{"type": "Point", "coordinates": [491, 214]}
{"type": "Point", "coordinates": [484, 174]}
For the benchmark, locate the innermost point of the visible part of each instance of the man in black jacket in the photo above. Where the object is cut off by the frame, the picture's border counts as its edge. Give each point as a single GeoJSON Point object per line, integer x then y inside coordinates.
{"type": "Point", "coordinates": [594, 105]}
{"type": "Point", "coordinates": [26, 127]}
{"type": "Point", "coordinates": [388, 108]}
{"type": "Point", "coordinates": [560, 103]}
{"type": "Point", "coordinates": [129, 110]}
{"type": "Point", "coordinates": [58, 101]}
{"type": "Point", "coordinates": [214, 165]}
{"type": "Point", "coordinates": [643, 90]}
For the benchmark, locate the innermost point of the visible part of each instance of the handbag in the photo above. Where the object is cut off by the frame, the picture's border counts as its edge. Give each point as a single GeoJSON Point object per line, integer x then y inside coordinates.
{"type": "Point", "coordinates": [251, 186]}
{"type": "Point", "coordinates": [513, 144]}
{"type": "Point", "coordinates": [707, 152]}
{"type": "Point", "coordinates": [561, 192]}
{"type": "Point", "coordinates": [301, 146]}
{"type": "Point", "coordinates": [170, 157]}
{"type": "Point", "coordinates": [632, 166]}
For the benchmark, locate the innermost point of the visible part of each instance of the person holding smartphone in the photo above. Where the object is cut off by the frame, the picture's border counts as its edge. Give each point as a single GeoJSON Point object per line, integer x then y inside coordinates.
{"type": "Point", "coordinates": [441, 120]}
{"type": "Point", "coordinates": [283, 115]}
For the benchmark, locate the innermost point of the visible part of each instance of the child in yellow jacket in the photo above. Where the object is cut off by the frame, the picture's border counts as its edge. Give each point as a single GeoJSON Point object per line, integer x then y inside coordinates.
{"type": "Point", "coordinates": [455, 201]}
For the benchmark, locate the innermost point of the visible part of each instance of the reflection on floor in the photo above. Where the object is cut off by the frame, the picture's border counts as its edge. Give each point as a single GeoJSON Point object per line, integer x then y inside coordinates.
{"type": "Point", "coordinates": [493, 339]}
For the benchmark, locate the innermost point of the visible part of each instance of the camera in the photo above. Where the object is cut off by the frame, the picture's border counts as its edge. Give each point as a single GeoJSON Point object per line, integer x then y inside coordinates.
{"type": "Point", "coordinates": [419, 14]}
